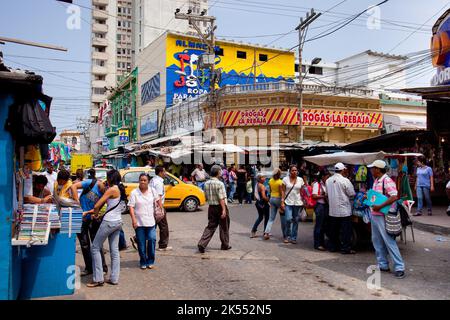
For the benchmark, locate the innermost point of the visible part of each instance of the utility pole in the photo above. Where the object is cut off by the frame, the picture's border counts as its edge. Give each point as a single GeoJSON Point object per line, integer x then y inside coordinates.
{"type": "Point", "coordinates": [302, 29]}
{"type": "Point", "coordinates": [205, 60]}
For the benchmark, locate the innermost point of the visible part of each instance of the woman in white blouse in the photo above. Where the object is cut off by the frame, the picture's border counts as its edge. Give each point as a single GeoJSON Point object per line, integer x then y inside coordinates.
{"type": "Point", "coordinates": [141, 204]}
{"type": "Point", "coordinates": [292, 203]}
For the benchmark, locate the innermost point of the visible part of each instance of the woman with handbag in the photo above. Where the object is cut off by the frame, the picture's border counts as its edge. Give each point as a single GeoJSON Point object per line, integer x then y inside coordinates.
{"type": "Point", "coordinates": [143, 202]}
{"type": "Point", "coordinates": [292, 203]}
{"type": "Point", "coordinates": [115, 199]}
{"type": "Point", "coordinates": [276, 193]}
{"type": "Point", "coordinates": [262, 204]}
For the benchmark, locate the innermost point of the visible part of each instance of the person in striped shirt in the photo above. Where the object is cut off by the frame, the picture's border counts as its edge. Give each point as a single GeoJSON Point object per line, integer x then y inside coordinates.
{"type": "Point", "coordinates": [382, 241]}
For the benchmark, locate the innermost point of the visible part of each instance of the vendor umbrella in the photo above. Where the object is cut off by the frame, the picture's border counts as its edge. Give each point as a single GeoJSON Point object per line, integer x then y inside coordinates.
{"type": "Point", "coordinates": [353, 158]}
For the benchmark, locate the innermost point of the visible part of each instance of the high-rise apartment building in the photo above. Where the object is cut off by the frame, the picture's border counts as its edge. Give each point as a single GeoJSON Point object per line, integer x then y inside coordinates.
{"type": "Point", "coordinates": [112, 44]}
{"type": "Point", "coordinates": [153, 17]}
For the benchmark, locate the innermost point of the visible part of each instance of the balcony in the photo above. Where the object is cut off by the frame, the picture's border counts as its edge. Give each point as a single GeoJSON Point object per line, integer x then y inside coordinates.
{"type": "Point", "coordinates": [111, 131]}
{"type": "Point", "coordinates": [100, 56]}
{"type": "Point", "coordinates": [100, 42]}
{"type": "Point", "coordinates": [99, 14]}
{"type": "Point", "coordinates": [98, 98]}
{"type": "Point", "coordinates": [100, 28]}
{"type": "Point", "coordinates": [293, 87]}
{"type": "Point", "coordinates": [98, 83]}
{"type": "Point", "coordinates": [125, 124]}
{"type": "Point", "coordinates": [100, 2]}
{"type": "Point", "coordinates": [98, 70]}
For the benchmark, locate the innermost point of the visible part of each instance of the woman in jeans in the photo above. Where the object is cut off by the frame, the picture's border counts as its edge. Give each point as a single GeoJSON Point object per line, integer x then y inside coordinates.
{"type": "Point", "coordinates": [115, 199]}
{"type": "Point", "coordinates": [262, 204]}
{"type": "Point", "coordinates": [319, 193]}
{"type": "Point", "coordinates": [142, 215]}
{"type": "Point", "coordinates": [424, 185]}
{"type": "Point", "coordinates": [276, 193]}
{"type": "Point", "coordinates": [292, 203]}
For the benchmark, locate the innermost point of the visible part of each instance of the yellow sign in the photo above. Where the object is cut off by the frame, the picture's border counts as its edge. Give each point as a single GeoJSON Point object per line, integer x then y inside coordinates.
{"type": "Point", "coordinates": [124, 135]}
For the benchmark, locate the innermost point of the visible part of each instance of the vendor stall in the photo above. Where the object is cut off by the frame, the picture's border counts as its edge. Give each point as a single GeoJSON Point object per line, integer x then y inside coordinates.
{"type": "Point", "coordinates": [36, 260]}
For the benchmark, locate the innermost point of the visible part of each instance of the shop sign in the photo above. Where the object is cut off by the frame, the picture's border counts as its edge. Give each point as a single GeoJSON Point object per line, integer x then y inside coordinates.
{"type": "Point", "coordinates": [347, 119]}
{"type": "Point", "coordinates": [123, 136]}
{"type": "Point", "coordinates": [259, 117]}
{"type": "Point", "coordinates": [105, 142]}
{"type": "Point", "coordinates": [149, 123]}
{"type": "Point", "coordinates": [440, 47]}
{"type": "Point", "coordinates": [290, 116]}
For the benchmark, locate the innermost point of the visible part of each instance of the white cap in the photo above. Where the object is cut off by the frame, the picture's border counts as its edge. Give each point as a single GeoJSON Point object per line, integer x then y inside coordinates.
{"type": "Point", "coordinates": [339, 166]}
{"type": "Point", "coordinates": [378, 164]}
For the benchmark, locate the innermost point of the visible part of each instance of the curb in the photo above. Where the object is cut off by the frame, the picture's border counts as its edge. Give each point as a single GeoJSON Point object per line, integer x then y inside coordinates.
{"type": "Point", "coordinates": [431, 228]}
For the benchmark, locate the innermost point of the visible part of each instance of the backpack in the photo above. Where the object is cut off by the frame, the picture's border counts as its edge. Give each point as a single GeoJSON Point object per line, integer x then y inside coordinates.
{"type": "Point", "coordinates": [306, 193]}
{"type": "Point", "coordinates": [29, 124]}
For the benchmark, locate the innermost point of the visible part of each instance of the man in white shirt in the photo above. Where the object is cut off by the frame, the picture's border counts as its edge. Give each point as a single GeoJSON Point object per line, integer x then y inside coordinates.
{"type": "Point", "coordinates": [340, 190]}
{"type": "Point", "coordinates": [157, 183]}
{"type": "Point", "coordinates": [51, 176]}
{"type": "Point", "coordinates": [199, 177]}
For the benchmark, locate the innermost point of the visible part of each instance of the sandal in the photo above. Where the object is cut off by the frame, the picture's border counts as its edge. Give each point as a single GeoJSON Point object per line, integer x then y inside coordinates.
{"type": "Point", "coordinates": [112, 283]}
{"type": "Point", "coordinates": [266, 236]}
{"type": "Point", "coordinates": [95, 284]}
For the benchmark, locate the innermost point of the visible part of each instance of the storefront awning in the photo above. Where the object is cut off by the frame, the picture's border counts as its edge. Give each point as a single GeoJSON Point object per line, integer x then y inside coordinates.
{"type": "Point", "coordinates": [431, 93]}
{"type": "Point", "coordinates": [391, 142]}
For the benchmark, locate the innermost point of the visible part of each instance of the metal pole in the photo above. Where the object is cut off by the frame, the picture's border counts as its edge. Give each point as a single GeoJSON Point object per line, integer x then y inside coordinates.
{"type": "Point", "coordinates": [33, 44]}
{"type": "Point", "coordinates": [300, 82]}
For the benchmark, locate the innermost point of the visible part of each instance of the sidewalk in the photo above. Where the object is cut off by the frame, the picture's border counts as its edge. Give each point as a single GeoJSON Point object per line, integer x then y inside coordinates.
{"type": "Point", "coordinates": [438, 223]}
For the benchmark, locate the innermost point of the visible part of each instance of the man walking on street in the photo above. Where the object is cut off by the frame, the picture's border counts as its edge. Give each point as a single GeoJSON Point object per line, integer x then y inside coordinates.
{"type": "Point", "coordinates": [157, 183]}
{"type": "Point", "coordinates": [199, 177]}
{"type": "Point", "coordinates": [382, 241]}
{"type": "Point", "coordinates": [217, 212]}
{"type": "Point", "coordinates": [340, 190]}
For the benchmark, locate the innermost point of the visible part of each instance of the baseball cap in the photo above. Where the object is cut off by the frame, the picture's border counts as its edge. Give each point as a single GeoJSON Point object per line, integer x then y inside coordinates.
{"type": "Point", "coordinates": [378, 164]}
{"type": "Point", "coordinates": [339, 166]}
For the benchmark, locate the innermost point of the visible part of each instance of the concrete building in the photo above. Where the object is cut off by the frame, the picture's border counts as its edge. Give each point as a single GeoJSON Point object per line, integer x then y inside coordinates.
{"type": "Point", "coordinates": [376, 71]}
{"type": "Point", "coordinates": [168, 72]}
{"type": "Point", "coordinates": [111, 47]}
{"type": "Point", "coordinates": [154, 17]}
{"type": "Point", "coordinates": [72, 139]}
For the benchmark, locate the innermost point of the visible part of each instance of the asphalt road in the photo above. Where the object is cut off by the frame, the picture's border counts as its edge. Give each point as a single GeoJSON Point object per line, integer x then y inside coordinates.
{"type": "Point", "coordinates": [258, 269]}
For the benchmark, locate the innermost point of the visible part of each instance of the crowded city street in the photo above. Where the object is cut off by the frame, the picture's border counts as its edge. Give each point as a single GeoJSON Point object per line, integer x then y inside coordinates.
{"type": "Point", "coordinates": [256, 269]}
{"type": "Point", "coordinates": [220, 158]}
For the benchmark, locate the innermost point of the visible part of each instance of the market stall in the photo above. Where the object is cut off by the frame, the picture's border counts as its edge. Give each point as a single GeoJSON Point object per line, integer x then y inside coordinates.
{"type": "Point", "coordinates": [362, 180]}
{"type": "Point", "coordinates": [37, 242]}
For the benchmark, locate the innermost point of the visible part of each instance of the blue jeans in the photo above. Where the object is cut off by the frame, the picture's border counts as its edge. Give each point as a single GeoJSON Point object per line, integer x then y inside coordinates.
{"type": "Point", "coordinates": [423, 192]}
{"type": "Point", "coordinates": [201, 185]}
{"type": "Point", "coordinates": [263, 213]}
{"type": "Point", "coordinates": [146, 241]}
{"type": "Point", "coordinates": [249, 198]}
{"type": "Point", "coordinates": [122, 241]}
{"type": "Point", "coordinates": [108, 230]}
{"type": "Point", "coordinates": [292, 218]}
{"type": "Point", "coordinates": [275, 204]}
{"type": "Point", "coordinates": [321, 211]}
{"type": "Point", "coordinates": [232, 190]}
{"type": "Point", "coordinates": [384, 244]}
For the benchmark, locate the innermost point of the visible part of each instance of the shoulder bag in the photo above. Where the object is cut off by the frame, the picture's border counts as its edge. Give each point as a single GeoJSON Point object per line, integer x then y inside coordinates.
{"type": "Point", "coordinates": [159, 212]}
{"type": "Point", "coordinates": [393, 221]}
{"type": "Point", "coordinates": [285, 196]}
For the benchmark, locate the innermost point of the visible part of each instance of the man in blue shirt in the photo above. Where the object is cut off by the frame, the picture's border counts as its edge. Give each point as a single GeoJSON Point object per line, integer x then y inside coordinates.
{"type": "Point", "coordinates": [93, 190]}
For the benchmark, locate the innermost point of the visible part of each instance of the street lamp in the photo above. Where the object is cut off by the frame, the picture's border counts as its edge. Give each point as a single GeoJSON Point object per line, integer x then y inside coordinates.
{"type": "Point", "coordinates": [300, 88]}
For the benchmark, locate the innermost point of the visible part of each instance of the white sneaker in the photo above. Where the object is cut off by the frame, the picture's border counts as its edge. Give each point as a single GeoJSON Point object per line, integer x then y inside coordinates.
{"type": "Point", "coordinates": [165, 249]}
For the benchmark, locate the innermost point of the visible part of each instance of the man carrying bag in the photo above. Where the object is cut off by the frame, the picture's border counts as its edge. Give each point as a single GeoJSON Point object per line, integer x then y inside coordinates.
{"type": "Point", "coordinates": [384, 242]}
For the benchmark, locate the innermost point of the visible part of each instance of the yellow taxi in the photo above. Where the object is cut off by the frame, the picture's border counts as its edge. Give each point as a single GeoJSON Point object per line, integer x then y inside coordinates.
{"type": "Point", "coordinates": [178, 193]}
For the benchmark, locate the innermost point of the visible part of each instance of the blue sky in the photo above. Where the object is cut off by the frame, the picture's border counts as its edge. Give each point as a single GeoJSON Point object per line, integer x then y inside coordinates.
{"type": "Point", "coordinates": [45, 21]}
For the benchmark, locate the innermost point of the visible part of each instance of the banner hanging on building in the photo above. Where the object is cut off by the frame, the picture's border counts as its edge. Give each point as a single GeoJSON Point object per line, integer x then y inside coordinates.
{"type": "Point", "coordinates": [124, 136]}
{"type": "Point", "coordinates": [347, 119]}
{"type": "Point", "coordinates": [290, 117]}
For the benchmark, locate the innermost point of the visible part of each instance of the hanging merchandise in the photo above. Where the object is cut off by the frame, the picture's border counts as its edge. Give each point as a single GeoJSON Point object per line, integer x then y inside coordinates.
{"type": "Point", "coordinates": [33, 157]}
{"type": "Point", "coordinates": [28, 123]}
{"type": "Point", "coordinates": [361, 174]}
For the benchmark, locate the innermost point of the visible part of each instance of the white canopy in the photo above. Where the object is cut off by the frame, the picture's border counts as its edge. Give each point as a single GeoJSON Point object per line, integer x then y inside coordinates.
{"type": "Point", "coordinates": [346, 157]}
